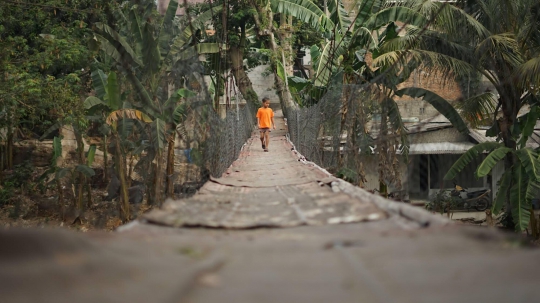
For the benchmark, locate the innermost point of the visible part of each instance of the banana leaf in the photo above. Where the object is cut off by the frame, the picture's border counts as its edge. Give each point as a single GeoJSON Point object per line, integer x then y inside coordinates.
{"type": "Point", "coordinates": [440, 104]}
{"type": "Point", "coordinates": [467, 157]}
{"type": "Point", "coordinates": [491, 160]}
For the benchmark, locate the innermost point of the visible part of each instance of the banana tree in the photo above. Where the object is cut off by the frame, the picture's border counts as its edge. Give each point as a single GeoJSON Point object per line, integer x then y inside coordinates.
{"type": "Point", "coordinates": [352, 54]}
{"type": "Point", "coordinates": [154, 54]}
{"type": "Point", "coordinates": [263, 18]}
{"type": "Point", "coordinates": [73, 172]}
{"type": "Point", "coordinates": [521, 183]}
{"type": "Point", "coordinates": [120, 119]}
{"type": "Point", "coordinates": [499, 40]}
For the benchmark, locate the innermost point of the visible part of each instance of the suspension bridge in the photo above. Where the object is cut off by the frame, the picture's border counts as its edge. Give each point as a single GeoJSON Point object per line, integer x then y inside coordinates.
{"type": "Point", "coordinates": [273, 227]}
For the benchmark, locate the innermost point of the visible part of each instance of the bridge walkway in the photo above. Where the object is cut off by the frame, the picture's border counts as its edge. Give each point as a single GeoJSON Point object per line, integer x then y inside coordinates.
{"type": "Point", "coordinates": [274, 228]}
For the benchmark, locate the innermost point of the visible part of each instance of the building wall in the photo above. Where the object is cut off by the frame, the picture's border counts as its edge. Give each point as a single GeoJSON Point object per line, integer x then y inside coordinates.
{"type": "Point", "coordinates": [371, 168]}
{"type": "Point", "coordinates": [263, 83]}
{"type": "Point", "coordinates": [442, 135]}
{"type": "Point", "coordinates": [433, 81]}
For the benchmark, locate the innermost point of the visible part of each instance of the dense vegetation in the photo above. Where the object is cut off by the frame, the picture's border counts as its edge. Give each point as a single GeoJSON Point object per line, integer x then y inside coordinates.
{"type": "Point", "coordinates": [120, 71]}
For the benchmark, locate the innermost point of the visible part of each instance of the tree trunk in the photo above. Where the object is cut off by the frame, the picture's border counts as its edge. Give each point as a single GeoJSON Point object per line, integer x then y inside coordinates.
{"type": "Point", "coordinates": [382, 146]}
{"type": "Point", "coordinates": [170, 164]}
{"type": "Point", "coordinates": [89, 194]}
{"type": "Point", "coordinates": [505, 126]}
{"type": "Point", "coordinates": [105, 160]}
{"type": "Point", "coordinates": [81, 177]}
{"type": "Point", "coordinates": [60, 197]}
{"type": "Point", "coordinates": [121, 171]}
{"type": "Point", "coordinates": [158, 178]}
{"type": "Point", "coordinates": [130, 171]}
{"type": "Point", "coordinates": [2, 163]}
{"type": "Point", "coordinates": [236, 54]}
{"type": "Point", "coordinates": [285, 35]}
{"type": "Point", "coordinates": [264, 24]}
{"type": "Point", "coordinates": [9, 148]}
{"type": "Point", "coordinates": [343, 129]}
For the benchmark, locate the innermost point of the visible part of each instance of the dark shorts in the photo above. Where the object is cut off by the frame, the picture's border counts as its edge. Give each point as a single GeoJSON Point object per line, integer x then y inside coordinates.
{"type": "Point", "coordinates": [264, 130]}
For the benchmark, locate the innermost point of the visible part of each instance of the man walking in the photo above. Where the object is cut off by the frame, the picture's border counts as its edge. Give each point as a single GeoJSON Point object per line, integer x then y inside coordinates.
{"type": "Point", "coordinates": [265, 120]}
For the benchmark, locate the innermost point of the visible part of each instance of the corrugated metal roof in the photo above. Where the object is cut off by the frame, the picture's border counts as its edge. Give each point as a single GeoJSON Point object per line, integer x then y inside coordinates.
{"type": "Point", "coordinates": [440, 148]}
{"type": "Point", "coordinates": [480, 135]}
{"type": "Point", "coordinates": [427, 127]}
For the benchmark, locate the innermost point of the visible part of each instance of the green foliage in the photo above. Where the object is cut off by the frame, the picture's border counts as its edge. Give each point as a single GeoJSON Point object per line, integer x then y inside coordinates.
{"type": "Point", "coordinates": [92, 102]}
{"type": "Point", "coordinates": [478, 109]}
{"type": "Point", "coordinates": [113, 92]}
{"type": "Point", "coordinates": [521, 199]}
{"type": "Point", "coordinates": [158, 133]}
{"type": "Point", "coordinates": [520, 183]}
{"type": "Point", "coordinates": [281, 71]}
{"type": "Point", "coordinates": [504, 186]}
{"type": "Point", "coordinates": [467, 157]}
{"type": "Point", "coordinates": [180, 113]}
{"type": "Point", "coordinates": [99, 82]}
{"type": "Point", "coordinates": [530, 161]}
{"type": "Point", "coordinates": [304, 10]}
{"type": "Point", "coordinates": [440, 104]}
{"type": "Point", "coordinates": [442, 202]}
{"type": "Point", "coordinates": [90, 155]}
{"type": "Point", "coordinates": [45, 59]}
{"type": "Point", "coordinates": [529, 123]}
{"type": "Point", "coordinates": [57, 150]}
{"type": "Point", "coordinates": [87, 171]}
{"type": "Point", "coordinates": [7, 191]}
{"type": "Point", "coordinates": [21, 174]}
{"type": "Point", "coordinates": [499, 40]}
{"type": "Point", "coordinates": [491, 160]}
{"type": "Point", "coordinates": [348, 175]}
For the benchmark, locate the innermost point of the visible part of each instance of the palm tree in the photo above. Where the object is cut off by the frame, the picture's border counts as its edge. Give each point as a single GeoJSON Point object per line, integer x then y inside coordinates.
{"type": "Point", "coordinates": [500, 41]}
{"type": "Point", "coordinates": [357, 50]}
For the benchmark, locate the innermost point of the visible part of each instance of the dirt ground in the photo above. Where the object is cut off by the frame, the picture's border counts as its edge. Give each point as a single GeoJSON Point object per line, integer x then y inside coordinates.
{"type": "Point", "coordinates": [42, 210]}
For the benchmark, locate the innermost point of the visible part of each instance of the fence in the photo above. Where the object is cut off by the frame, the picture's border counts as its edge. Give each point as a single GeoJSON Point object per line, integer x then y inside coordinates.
{"type": "Point", "coordinates": [372, 143]}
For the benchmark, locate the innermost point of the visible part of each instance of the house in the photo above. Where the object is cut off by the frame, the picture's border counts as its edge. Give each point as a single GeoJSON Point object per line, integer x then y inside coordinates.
{"type": "Point", "coordinates": [435, 145]}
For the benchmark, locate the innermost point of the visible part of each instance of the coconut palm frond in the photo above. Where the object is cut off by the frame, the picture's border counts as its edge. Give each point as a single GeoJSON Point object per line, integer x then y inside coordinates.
{"type": "Point", "coordinates": [395, 14]}
{"type": "Point", "coordinates": [456, 22]}
{"type": "Point", "coordinates": [528, 74]}
{"type": "Point", "coordinates": [478, 108]}
{"type": "Point", "coordinates": [426, 8]}
{"type": "Point", "coordinates": [444, 64]}
{"type": "Point", "coordinates": [501, 46]}
{"type": "Point", "coordinates": [438, 42]}
{"type": "Point", "coordinates": [401, 43]}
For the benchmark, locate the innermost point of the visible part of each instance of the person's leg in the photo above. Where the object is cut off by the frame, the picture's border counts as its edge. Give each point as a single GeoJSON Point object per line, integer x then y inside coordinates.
{"type": "Point", "coordinates": [262, 139]}
{"type": "Point", "coordinates": [267, 138]}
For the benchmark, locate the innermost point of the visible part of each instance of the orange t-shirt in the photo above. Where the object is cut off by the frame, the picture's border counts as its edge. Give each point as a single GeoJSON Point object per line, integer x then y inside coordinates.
{"type": "Point", "coordinates": [265, 116]}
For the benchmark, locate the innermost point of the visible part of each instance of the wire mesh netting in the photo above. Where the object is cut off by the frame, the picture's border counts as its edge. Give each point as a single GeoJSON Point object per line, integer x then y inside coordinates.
{"type": "Point", "coordinates": [227, 138]}
{"type": "Point", "coordinates": [209, 143]}
{"type": "Point", "coordinates": [359, 135]}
